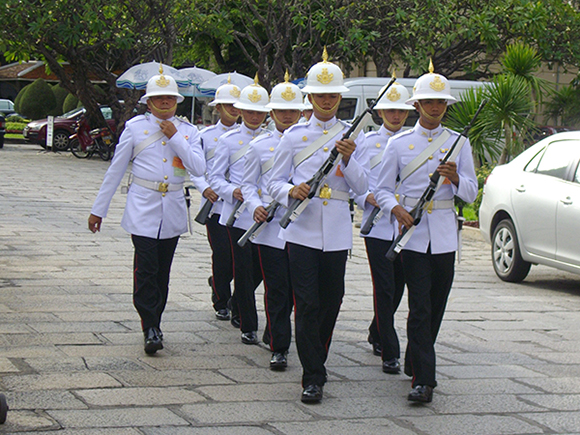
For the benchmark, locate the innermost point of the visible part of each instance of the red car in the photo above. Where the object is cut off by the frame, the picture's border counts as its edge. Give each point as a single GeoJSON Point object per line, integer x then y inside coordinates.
{"type": "Point", "coordinates": [64, 126]}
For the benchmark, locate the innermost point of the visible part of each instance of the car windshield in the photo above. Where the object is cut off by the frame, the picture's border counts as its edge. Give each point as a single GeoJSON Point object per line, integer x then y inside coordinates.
{"type": "Point", "coordinates": [73, 113]}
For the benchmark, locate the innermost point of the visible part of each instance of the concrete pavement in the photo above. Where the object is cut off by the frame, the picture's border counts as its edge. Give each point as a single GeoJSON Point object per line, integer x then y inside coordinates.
{"type": "Point", "coordinates": [72, 360]}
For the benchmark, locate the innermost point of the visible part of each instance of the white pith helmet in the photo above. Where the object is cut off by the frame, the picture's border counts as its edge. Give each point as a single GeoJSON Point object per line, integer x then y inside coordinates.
{"type": "Point", "coordinates": [286, 96]}
{"type": "Point", "coordinates": [394, 98]}
{"type": "Point", "coordinates": [432, 86]}
{"type": "Point", "coordinates": [253, 97]}
{"type": "Point", "coordinates": [324, 78]}
{"type": "Point", "coordinates": [161, 85]}
{"type": "Point", "coordinates": [226, 94]}
{"type": "Point", "coordinates": [307, 103]}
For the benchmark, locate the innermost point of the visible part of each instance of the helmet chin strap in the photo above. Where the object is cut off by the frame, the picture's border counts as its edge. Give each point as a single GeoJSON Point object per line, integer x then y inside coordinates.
{"type": "Point", "coordinates": [163, 110]}
{"type": "Point", "coordinates": [228, 116]}
{"type": "Point", "coordinates": [434, 119]}
{"type": "Point", "coordinates": [252, 126]}
{"type": "Point", "coordinates": [325, 112]}
{"type": "Point", "coordinates": [393, 127]}
{"type": "Point", "coordinates": [281, 124]}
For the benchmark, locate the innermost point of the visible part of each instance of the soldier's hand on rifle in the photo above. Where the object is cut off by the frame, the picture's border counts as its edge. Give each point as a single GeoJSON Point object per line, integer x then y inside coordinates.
{"type": "Point", "coordinates": [449, 171]}
{"type": "Point", "coordinates": [210, 195]}
{"type": "Point", "coordinates": [371, 200]}
{"type": "Point", "coordinates": [260, 214]}
{"type": "Point", "coordinates": [238, 194]}
{"type": "Point", "coordinates": [300, 192]}
{"type": "Point", "coordinates": [345, 147]}
{"type": "Point", "coordinates": [403, 217]}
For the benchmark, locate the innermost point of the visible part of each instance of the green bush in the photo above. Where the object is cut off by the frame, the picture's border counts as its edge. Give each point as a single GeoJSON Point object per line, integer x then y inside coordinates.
{"type": "Point", "coordinates": [60, 95]}
{"type": "Point", "coordinates": [17, 118]}
{"type": "Point", "coordinates": [15, 127]}
{"type": "Point", "coordinates": [37, 101]}
{"type": "Point", "coordinates": [471, 211]}
{"type": "Point", "coordinates": [71, 102]}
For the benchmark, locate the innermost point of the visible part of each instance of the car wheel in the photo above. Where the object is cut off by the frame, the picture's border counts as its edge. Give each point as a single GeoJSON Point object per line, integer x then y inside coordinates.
{"type": "Point", "coordinates": [60, 140]}
{"type": "Point", "coordinates": [505, 253]}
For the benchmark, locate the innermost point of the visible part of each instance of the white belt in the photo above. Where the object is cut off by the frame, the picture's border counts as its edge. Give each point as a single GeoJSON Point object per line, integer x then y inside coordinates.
{"type": "Point", "coordinates": [436, 205]}
{"type": "Point", "coordinates": [326, 192]}
{"type": "Point", "coordinates": [159, 186]}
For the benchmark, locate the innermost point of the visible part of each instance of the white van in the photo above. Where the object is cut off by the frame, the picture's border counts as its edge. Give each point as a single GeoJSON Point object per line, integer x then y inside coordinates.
{"type": "Point", "coordinates": [363, 90]}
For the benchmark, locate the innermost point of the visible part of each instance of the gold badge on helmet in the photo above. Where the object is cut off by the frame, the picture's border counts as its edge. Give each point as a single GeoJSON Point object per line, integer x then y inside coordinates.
{"type": "Point", "coordinates": [254, 97]}
{"type": "Point", "coordinates": [437, 85]}
{"type": "Point", "coordinates": [288, 94]}
{"type": "Point", "coordinates": [394, 95]}
{"type": "Point", "coordinates": [235, 92]}
{"type": "Point", "coordinates": [325, 78]}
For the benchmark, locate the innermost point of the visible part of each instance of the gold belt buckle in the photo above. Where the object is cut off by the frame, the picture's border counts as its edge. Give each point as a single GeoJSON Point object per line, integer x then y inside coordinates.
{"type": "Point", "coordinates": [325, 192]}
{"type": "Point", "coordinates": [430, 207]}
{"type": "Point", "coordinates": [163, 187]}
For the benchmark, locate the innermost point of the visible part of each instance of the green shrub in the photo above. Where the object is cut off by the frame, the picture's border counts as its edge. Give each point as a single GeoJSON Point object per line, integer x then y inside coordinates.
{"type": "Point", "coordinates": [60, 95]}
{"type": "Point", "coordinates": [17, 118]}
{"type": "Point", "coordinates": [15, 127]}
{"type": "Point", "coordinates": [71, 102]}
{"type": "Point", "coordinates": [37, 101]}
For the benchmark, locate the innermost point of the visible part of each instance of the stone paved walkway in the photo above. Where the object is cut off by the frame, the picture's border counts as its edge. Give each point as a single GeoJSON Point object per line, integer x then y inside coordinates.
{"type": "Point", "coordinates": [72, 360]}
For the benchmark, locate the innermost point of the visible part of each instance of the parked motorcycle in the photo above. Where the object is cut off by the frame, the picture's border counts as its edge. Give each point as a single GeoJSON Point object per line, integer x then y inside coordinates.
{"type": "Point", "coordinates": [86, 142]}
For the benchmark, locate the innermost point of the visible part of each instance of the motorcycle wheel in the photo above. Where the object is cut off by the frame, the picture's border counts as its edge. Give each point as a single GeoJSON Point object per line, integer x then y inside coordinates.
{"type": "Point", "coordinates": [104, 151]}
{"type": "Point", "coordinates": [77, 150]}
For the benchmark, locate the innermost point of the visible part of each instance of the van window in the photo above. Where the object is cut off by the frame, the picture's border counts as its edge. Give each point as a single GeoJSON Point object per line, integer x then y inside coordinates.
{"type": "Point", "coordinates": [346, 110]}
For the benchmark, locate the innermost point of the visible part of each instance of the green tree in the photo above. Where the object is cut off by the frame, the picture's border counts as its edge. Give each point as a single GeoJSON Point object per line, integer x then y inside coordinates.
{"type": "Point", "coordinates": [99, 39]}
{"type": "Point", "coordinates": [564, 106]}
{"type": "Point", "coordinates": [37, 101]}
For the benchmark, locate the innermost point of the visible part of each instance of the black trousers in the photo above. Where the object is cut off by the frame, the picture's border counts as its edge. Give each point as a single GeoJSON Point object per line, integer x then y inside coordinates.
{"type": "Point", "coordinates": [429, 279]}
{"type": "Point", "coordinates": [318, 283]}
{"type": "Point", "coordinates": [247, 276]}
{"type": "Point", "coordinates": [388, 287]}
{"type": "Point", "coordinates": [151, 267]}
{"type": "Point", "coordinates": [278, 296]}
{"type": "Point", "coordinates": [222, 268]}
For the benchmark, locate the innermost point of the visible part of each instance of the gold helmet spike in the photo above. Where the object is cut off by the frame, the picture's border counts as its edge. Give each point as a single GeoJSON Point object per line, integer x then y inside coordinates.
{"type": "Point", "coordinates": [394, 76]}
{"type": "Point", "coordinates": [229, 78]}
{"type": "Point", "coordinates": [256, 79]}
{"type": "Point", "coordinates": [324, 55]}
{"type": "Point", "coordinates": [160, 68]}
{"type": "Point", "coordinates": [286, 77]}
{"type": "Point", "coordinates": [431, 67]}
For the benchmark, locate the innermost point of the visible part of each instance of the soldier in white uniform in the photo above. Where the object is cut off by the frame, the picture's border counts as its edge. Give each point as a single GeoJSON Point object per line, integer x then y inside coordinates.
{"type": "Point", "coordinates": [221, 258]}
{"type": "Point", "coordinates": [162, 150]}
{"type": "Point", "coordinates": [226, 179]}
{"type": "Point", "coordinates": [286, 106]}
{"type": "Point", "coordinates": [429, 256]}
{"type": "Point", "coordinates": [388, 277]}
{"type": "Point", "coordinates": [319, 239]}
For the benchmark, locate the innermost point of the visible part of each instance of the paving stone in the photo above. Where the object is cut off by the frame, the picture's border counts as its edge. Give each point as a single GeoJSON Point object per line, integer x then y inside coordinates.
{"type": "Point", "coordinates": [123, 397]}
{"type": "Point", "coordinates": [126, 417]}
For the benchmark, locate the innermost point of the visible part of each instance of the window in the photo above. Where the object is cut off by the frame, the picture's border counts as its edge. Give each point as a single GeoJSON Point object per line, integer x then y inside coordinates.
{"type": "Point", "coordinates": [107, 112]}
{"type": "Point", "coordinates": [346, 110]}
{"type": "Point", "coordinates": [410, 122]}
{"type": "Point", "coordinates": [533, 164]}
{"type": "Point", "coordinates": [557, 157]}
{"type": "Point", "coordinates": [577, 175]}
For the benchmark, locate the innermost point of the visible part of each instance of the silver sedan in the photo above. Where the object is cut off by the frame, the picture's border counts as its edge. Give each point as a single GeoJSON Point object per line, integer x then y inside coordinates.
{"type": "Point", "coordinates": [530, 212]}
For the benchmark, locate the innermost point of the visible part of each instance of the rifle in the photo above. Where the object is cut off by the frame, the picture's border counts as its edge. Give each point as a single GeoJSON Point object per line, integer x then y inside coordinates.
{"type": "Point", "coordinates": [419, 208]}
{"type": "Point", "coordinates": [203, 213]}
{"type": "Point", "coordinates": [371, 221]}
{"type": "Point", "coordinates": [257, 227]}
{"type": "Point", "coordinates": [297, 206]}
{"type": "Point", "coordinates": [236, 212]}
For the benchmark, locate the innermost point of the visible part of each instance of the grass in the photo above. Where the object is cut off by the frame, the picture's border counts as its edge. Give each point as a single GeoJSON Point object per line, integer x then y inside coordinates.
{"type": "Point", "coordinates": [14, 136]}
